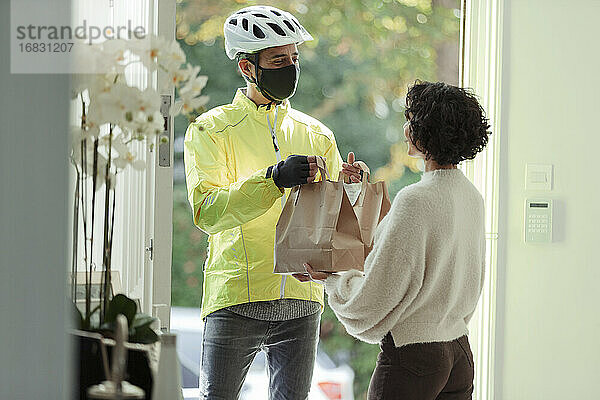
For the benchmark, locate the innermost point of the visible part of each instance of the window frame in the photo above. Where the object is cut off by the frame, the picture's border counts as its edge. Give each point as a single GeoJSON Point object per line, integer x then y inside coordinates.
{"type": "Point", "coordinates": [481, 71]}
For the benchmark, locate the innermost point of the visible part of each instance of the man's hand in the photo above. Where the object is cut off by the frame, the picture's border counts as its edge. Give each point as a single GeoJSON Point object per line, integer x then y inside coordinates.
{"type": "Point", "coordinates": [295, 170]}
{"type": "Point", "coordinates": [353, 173]}
{"type": "Point", "coordinates": [311, 275]}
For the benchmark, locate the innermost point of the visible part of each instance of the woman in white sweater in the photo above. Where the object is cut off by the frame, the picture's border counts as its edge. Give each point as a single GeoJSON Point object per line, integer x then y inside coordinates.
{"type": "Point", "coordinates": [423, 278]}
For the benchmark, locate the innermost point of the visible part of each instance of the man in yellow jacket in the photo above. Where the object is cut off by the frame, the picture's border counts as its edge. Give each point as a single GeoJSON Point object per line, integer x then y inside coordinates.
{"type": "Point", "coordinates": [240, 160]}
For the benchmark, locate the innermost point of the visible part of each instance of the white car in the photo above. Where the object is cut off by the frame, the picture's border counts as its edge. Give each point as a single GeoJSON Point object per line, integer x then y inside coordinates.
{"type": "Point", "coordinates": [330, 382]}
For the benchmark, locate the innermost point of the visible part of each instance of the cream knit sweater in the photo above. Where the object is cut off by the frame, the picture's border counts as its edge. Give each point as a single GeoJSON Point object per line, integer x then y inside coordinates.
{"type": "Point", "coordinates": [424, 276]}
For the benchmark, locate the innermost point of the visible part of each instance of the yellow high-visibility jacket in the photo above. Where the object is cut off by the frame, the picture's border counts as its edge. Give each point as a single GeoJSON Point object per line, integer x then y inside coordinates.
{"type": "Point", "coordinates": [227, 151]}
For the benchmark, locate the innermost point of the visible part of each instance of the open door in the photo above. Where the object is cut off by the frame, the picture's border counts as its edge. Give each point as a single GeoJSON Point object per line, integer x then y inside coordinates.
{"type": "Point", "coordinates": [142, 247]}
{"type": "Point", "coordinates": [159, 236]}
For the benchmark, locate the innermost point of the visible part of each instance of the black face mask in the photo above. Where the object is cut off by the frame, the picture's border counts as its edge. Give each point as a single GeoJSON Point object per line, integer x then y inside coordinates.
{"type": "Point", "coordinates": [278, 84]}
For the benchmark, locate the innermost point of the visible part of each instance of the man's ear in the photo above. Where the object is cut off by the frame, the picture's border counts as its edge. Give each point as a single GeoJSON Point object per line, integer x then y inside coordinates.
{"type": "Point", "coordinates": [246, 68]}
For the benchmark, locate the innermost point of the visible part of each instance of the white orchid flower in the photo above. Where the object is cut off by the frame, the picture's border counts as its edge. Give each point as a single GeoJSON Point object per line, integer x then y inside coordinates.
{"type": "Point", "coordinates": [128, 158]}
{"type": "Point", "coordinates": [120, 142]}
{"type": "Point", "coordinates": [114, 53]}
{"type": "Point", "coordinates": [105, 109]}
{"type": "Point", "coordinates": [117, 143]}
{"type": "Point", "coordinates": [173, 56]}
{"type": "Point", "coordinates": [101, 83]}
{"type": "Point", "coordinates": [151, 50]}
{"type": "Point", "coordinates": [77, 136]}
{"type": "Point", "coordinates": [148, 101]}
{"type": "Point", "coordinates": [80, 83]}
{"type": "Point", "coordinates": [117, 106]}
{"type": "Point", "coordinates": [101, 161]}
{"type": "Point", "coordinates": [115, 49]}
{"type": "Point", "coordinates": [133, 114]}
{"type": "Point", "coordinates": [155, 123]}
{"type": "Point", "coordinates": [90, 58]}
{"type": "Point", "coordinates": [187, 104]}
{"type": "Point", "coordinates": [175, 77]}
{"type": "Point", "coordinates": [148, 124]}
{"type": "Point", "coordinates": [89, 131]}
{"type": "Point", "coordinates": [195, 85]}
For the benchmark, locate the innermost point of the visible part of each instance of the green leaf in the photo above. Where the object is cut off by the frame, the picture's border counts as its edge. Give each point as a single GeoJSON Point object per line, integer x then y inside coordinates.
{"type": "Point", "coordinates": [121, 304]}
{"type": "Point", "coordinates": [107, 326]}
{"type": "Point", "coordinates": [87, 321]}
{"type": "Point", "coordinates": [145, 335]}
{"type": "Point", "coordinates": [77, 317]}
{"type": "Point", "coordinates": [142, 320]}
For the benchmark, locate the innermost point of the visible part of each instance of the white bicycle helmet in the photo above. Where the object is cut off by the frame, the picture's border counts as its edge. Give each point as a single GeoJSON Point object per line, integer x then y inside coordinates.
{"type": "Point", "coordinates": [258, 27]}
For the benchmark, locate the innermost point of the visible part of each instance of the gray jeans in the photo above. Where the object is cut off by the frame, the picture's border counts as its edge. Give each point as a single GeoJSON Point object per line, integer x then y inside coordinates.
{"type": "Point", "coordinates": [231, 341]}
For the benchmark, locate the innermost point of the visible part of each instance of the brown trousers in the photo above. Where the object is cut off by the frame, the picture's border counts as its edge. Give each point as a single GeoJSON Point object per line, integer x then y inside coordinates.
{"type": "Point", "coordinates": [423, 371]}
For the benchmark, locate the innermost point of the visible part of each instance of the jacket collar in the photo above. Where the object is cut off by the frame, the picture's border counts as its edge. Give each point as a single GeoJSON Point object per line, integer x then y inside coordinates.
{"type": "Point", "coordinates": [259, 112]}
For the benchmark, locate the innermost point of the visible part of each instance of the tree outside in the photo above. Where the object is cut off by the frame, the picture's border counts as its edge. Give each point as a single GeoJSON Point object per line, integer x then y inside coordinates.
{"type": "Point", "coordinates": [354, 77]}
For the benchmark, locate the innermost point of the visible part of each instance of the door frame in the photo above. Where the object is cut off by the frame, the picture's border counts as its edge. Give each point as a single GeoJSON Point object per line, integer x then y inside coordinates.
{"type": "Point", "coordinates": [481, 71]}
{"type": "Point", "coordinates": [159, 215]}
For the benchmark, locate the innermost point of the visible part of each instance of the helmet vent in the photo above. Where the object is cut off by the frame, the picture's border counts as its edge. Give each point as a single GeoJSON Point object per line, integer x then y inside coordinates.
{"type": "Point", "coordinates": [258, 32]}
{"type": "Point", "coordinates": [276, 28]}
{"type": "Point", "coordinates": [254, 28]}
{"type": "Point", "coordinates": [289, 25]}
{"type": "Point", "coordinates": [297, 24]}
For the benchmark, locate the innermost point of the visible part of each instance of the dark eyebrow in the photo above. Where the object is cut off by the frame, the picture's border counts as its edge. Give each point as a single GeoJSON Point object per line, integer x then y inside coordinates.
{"type": "Point", "coordinates": [282, 55]}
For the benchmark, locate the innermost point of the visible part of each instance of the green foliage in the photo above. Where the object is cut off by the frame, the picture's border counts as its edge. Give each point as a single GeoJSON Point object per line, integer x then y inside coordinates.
{"type": "Point", "coordinates": [121, 304]}
{"type": "Point", "coordinates": [77, 317]}
{"type": "Point", "coordinates": [85, 322]}
{"type": "Point", "coordinates": [343, 348]}
{"type": "Point", "coordinates": [354, 77]}
{"type": "Point", "coordinates": [407, 178]}
{"type": "Point", "coordinates": [140, 330]}
{"type": "Point", "coordinates": [189, 252]}
{"type": "Point", "coordinates": [354, 74]}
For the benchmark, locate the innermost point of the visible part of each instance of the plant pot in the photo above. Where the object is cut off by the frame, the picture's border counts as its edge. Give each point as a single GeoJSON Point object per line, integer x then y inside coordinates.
{"type": "Point", "coordinates": [92, 352]}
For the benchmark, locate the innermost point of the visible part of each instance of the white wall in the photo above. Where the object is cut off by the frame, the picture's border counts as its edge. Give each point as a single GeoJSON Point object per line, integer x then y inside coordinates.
{"type": "Point", "coordinates": [33, 230]}
{"type": "Point", "coordinates": [548, 328]}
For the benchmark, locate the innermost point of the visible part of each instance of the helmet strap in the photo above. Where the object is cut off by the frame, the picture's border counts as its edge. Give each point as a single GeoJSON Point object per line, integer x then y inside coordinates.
{"type": "Point", "coordinates": [253, 58]}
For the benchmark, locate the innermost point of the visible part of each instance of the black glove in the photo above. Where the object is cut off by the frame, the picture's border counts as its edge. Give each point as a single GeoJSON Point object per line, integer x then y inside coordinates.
{"type": "Point", "coordinates": [291, 172]}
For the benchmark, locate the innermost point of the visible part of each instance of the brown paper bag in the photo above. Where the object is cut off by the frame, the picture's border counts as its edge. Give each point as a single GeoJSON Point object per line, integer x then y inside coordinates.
{"type": "Point", "coordinates": [319, 226]}
{"type": "Point", "coordinates": [372, 205]}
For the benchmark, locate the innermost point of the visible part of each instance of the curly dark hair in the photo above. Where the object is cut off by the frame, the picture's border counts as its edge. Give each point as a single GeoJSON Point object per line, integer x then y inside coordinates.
{"type": "Point", "coordinates": [447, 124]}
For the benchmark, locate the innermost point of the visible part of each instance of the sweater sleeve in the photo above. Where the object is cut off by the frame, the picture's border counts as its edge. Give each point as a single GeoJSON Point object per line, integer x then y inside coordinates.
{"type": "Point", "coordinates": [370, 305]}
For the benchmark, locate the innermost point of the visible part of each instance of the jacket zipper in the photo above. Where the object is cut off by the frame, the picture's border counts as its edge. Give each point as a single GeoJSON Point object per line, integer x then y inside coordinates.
{"type": "Point", "coordinates": [278, 155]}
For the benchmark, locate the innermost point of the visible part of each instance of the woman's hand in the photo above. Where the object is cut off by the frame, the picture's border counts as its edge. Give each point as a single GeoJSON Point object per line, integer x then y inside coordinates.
{"type": "Point", "coordinates": [352, 172]}
{"type": "Point", "coordinates": [311, 275]}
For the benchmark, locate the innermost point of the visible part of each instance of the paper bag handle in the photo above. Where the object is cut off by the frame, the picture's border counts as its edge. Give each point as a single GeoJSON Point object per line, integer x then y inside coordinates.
{"type": "Point", "coordinates": [322, 168]}
{"type": "Point", "coordinates": [365, 169]}
{"type": "Point", "coordinates": [365, 181]}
